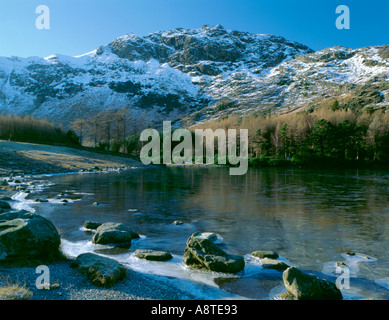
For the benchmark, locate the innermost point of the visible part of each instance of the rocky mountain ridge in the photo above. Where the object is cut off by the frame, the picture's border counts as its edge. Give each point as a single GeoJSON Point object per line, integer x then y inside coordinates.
{"type": "Point", "coordinates": [193, 75]}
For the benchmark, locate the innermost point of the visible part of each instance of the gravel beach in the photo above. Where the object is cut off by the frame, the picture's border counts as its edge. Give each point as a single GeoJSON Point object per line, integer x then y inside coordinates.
{"type": "Point", "coordinates": [68, 284]}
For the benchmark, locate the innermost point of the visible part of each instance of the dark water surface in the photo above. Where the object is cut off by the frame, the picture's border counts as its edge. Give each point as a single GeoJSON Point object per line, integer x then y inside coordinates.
{"type": "Point", "coordinates": [310, 217]}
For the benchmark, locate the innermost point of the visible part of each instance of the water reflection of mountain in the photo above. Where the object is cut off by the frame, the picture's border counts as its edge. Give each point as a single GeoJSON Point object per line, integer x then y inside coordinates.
{"type": "Point", "coordinates": [308, 216]}
{"type": "Point", "coordinates": [312, 215]}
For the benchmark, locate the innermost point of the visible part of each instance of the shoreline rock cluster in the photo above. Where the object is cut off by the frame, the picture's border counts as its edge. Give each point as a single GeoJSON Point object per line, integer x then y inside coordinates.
{"type": "Point", "coordinates": [25, 236]}
{"type": "Point", "coordinates": [202, 252]}
{"type": "Point", "coordinates": [99, 270]}
{"type": "Point", "coordinates": [28, 236]}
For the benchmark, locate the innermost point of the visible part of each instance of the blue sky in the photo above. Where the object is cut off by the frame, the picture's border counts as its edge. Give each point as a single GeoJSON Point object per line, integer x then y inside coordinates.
{"type": "Point", "coordinates": [79, 26]}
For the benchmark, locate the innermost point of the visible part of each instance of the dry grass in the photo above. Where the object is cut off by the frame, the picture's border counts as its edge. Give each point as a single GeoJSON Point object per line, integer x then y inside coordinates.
{"type": "Point", "coordinates": [15, 292]}
{"type": "Point", "coordinates": [12, 290]}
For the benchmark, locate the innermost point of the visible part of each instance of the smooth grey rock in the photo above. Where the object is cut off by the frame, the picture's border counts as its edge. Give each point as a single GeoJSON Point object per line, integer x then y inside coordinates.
{"type": "Point", "coordinates": [306, 287]}
{"type": "Point", "coordinates": [265, 254]}
{"type": "Point", "coordinates": [92, 225]}
{"type": "Point", "coordinates": [274, 264]}
{"type": "Point", "coordinates": [101, 271]}
{"type": "Point", "coordinates": [114, 234]}
{"type": "Point", "coordinates": [25, 235]}
{"type": "Point", "coordinates": [153, 255]}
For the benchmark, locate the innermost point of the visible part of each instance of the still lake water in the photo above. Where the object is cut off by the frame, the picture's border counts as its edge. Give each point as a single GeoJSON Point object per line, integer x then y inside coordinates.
{"type": "Point", "coordinates": [310, 217]}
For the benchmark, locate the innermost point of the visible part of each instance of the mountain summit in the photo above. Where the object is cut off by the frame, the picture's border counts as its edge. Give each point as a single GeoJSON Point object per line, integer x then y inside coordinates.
{"type": "Point", "coordinates": [200, 73]}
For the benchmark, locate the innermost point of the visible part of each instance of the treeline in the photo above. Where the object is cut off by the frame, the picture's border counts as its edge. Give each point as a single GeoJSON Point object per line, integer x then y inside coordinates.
{"type": "Point", "coordinates": [115, 130]}
{"type": "Point", "coordinates": [29, 129]}
{"type": "Point", "coordinates": [324, 136]}
{"type": "Point", "coordinates": [327, 136]}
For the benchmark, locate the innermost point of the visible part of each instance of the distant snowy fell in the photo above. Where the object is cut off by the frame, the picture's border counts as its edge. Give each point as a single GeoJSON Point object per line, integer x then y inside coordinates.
{"type": "Point", "coordinates": [193, 76]}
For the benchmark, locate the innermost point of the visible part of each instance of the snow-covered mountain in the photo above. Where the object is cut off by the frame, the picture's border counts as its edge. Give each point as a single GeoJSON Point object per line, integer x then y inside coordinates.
{"type": "Point", "coordinates": [194, 74]}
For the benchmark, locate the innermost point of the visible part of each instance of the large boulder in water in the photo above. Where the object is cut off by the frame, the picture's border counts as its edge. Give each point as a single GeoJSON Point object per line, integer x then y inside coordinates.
{"type": "Point", "coordinates": [306, 287]}
{"type": "Point", "coordinates": [203, 253]}
{"type": "Point", "coordinates": [25, 236]}
{"type": "Point", "coordinates": [114, 234]}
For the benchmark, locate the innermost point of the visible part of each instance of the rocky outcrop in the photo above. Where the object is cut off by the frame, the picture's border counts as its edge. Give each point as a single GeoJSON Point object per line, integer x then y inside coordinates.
{"type": "Point", "coordinates": [303, 286]}
{"type": "Point", "coordinates": [99, 270]}
{"type": "Point", "coordinates": [27, 236]}
{"type": "Point", "coordinates": [153, 255]}
{"type": "Point", "coordinates": [112, 233]}
{"type": "Point", "coordinates": [203, 253]}
{"type": "Point", "coordinates": [268, 263]}
{"type": "Point", "coordinates": [265, 254]}
{"type": "Point", "coordinates": [158, 70]}
{"type": "Point", "coordinates": [92, 225]}
{"type": "Point", "coordinates": [186, 72]}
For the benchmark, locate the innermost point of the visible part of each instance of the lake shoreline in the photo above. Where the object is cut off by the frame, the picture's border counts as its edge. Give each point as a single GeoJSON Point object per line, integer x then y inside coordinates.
{"type": "Point", "coordinates": [68, 284]}
{"type": "Point", "coordinates": [72, 285]}
{"type": "Point", "coordinates": [19, 161]}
